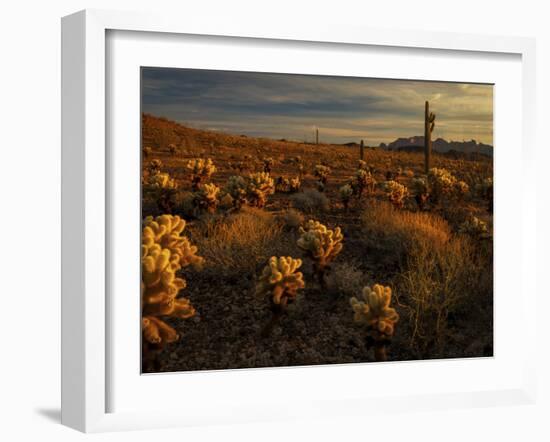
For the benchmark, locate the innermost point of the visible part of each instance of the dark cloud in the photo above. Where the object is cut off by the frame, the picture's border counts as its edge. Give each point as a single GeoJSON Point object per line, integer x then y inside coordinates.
{"type": "Point", "coordinates": [290, 106]}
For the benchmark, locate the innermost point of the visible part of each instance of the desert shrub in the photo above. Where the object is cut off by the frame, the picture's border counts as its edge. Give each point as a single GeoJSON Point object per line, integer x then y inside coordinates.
{"type": "Point", "coordinates": [292, 219]}
{"type": "Point", "coordinates": [238, 243]}
{"type": "Point", "coordinates": [310, 201]}
{"type": "Point", "coordinates": [345, 279]}
{"type": "Point", "coordinates": [438, 282]}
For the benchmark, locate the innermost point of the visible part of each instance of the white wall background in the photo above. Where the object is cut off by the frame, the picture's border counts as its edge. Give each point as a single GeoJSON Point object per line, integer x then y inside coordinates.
{"type": "Point", "coordinates": [30, 209]}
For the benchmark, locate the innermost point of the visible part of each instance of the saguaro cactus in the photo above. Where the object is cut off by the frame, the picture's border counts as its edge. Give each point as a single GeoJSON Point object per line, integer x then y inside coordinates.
{"type": "Point", "coordinates": [429, 124]}
{"type": "Point", "coordinates": [362, 149]}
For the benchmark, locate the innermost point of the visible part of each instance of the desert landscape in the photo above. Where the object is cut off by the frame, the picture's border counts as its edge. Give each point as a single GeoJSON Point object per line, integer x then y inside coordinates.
{"type": "Point", "coordinates": [263, 252]}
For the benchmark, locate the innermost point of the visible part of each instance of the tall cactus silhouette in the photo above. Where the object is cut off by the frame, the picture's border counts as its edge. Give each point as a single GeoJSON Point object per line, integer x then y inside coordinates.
{"type": "Point", "coordinates": [429, 124]}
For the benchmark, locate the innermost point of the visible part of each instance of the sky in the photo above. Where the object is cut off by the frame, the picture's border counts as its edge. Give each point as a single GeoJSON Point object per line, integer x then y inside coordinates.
{"type": "Point", "coordinates": [344, 109]}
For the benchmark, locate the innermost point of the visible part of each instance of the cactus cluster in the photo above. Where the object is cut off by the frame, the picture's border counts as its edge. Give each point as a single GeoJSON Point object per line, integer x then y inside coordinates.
{"type": "Point", "coordinates": [259, 186]}
{"type": "Point", "coordinates": [474, 227]}
{"type": "Point", "coordinates": [206, 198]}
{"type": "Point", "coordinates": [397, 193]}
{"type": "Point", "coordinates": [201, 169]}
{"type": "Point", "coordinates": [164, 251]}
{"type": "Point", "coordinates": [321, 245]}
{"type": "Point", "coordinates": [236, 187]}
{"type": "Point", "coordinates": [268, 164]}
{"type": "Point", "coordinates": [346, 192]}
{"type": "Point", "coordinates": [321, 172]}
{"type": "Point", "coordinates": [362, 180]}
{"type": "Point", "coordinates": [373, 310]}
{"type": "Point", "coordinates": [280, 280]}
{"type": "Point", "coordinates": [288, 185]}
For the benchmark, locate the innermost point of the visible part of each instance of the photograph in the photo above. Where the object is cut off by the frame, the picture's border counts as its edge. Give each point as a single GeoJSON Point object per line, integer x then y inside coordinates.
{"type": "Point", "coordinates": [300, 220]}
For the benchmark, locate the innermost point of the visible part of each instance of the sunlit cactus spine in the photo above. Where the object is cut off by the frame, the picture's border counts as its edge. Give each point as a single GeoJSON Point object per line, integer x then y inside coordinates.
{"type": "Point", "coordinates": [201, 170]}
{"type": "Point", "coordinates": [260, 185]}
{"type": "Point", "coordinates": [279, 282]}
{"type": "Point", "coordinates": [321, 245]}
{"type": "Point", "coordinates": [164, 251]}
{"type": "Point", "coordinates": [397, 193]}
{"type": "Point", "coordinates": [373, 310]}
{"type": "Point", "coordinates": [346, 192]}
{"type": "Point", "coordinates": [206, 198]}
{"type": "Point", "coordinates": [236, 187]}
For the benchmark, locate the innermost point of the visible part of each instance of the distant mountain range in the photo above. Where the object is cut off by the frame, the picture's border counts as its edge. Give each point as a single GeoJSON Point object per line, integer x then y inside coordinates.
{"type": "Point", "coordinates": [416, 143]}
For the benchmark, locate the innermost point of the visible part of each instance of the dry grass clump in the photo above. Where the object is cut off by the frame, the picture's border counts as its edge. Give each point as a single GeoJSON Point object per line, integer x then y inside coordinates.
{"type": "Point", "coordinates": [240, 242]}
{"type": "Point", "coordinates": [401, 231]}
{"type": "Point", "coordinates": [310, 201]}
{"type": "Point", "coordinates": [292, 219]}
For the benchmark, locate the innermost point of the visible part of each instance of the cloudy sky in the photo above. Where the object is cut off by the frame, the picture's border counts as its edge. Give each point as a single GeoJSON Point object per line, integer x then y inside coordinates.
{"type": "Point", "coordinates": [291, 106]}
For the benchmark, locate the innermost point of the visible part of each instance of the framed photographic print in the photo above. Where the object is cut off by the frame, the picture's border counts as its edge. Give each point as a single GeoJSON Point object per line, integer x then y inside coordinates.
{"type": "Point", "coordinates": [257, 222]}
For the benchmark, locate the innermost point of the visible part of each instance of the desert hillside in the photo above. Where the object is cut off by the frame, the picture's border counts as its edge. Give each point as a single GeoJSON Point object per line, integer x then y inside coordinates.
{"type": "Point", "coordinates": [427, 238]}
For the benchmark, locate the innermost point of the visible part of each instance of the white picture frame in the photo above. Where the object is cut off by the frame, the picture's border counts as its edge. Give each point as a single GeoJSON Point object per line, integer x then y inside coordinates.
{"type": "Point", "coordinates": [86, 349]}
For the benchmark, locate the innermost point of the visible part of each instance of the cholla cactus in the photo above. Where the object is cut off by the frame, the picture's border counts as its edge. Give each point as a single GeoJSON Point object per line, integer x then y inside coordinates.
{"type": "Point", "coordinates": [236, 187]}
{"type": "Point", "coordinates": [201, 169]}
{"type": "Point", "coordinates": [441, 183]}
{"type": "Point", "coordinates": [362, 180]}
{"type": "Point", "coordinates": [474, 227]}
{"type": "Point", "coordinates": [362, 165]}
{"type": "Point", "coordinates": [166, 231]}
{"type": "Point", "coordinates": [206, 198]}
{"type": "Point", "coordinates": [268, 164]}
{"type": "Point", "coordinates": [485, 191]}
{"type": "Point", "coordinates": [321, 245]}
{"type": "Point", "coordinates": [147, 151]}
{"type": "Point", "coordinates": [420, 191]}
{"type": "Point", "coordinates": [374, 311]}
{"type": "Point", "coordinates": [172, 148]}
{"type": "Point", "coordinates": [280, 282]}
{"type": "Point", "coordinates": [163, 252]}
{"type": "Point", "coordinates": [160, 187]}
{"type": "Point", "coordinates": [154, 166]}
{"type": "Point", "coordinates": [260, 185]}
{"type": "Point", "coordinates": [282, 184]}
{"type": "Point", "coordinates": [460, 189]}
{"type": "Point", "coordinates": [294, 184]}
{"type": "Point", "coordinates": [346, 192]}
{"type": "Point", "coordinates": [396, 193]}
{"type": "Point", "coordinates": [322, 173]}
